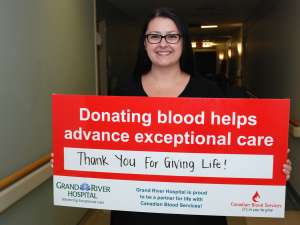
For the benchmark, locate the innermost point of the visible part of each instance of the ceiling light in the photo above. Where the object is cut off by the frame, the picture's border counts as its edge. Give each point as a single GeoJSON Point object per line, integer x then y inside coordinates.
{"type": "Point", "coordinates": [209, 26]}
{"type": "Point", "coordinates": [208, 44]}
{"type": "Point", "coordinates": [239, 48]}
{"type": "Point", "coordinates": [194, 44]}
{"type": "Point", "coordinates": [229, 53]}
{"type": "Point", "coordinates": [221, 56]}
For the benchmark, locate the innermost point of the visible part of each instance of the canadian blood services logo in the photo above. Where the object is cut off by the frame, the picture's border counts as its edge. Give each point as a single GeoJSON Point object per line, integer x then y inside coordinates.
{"type": "Point", "coordinates": [256, 197]}
{"type": "Point", "coordinates": [258, 204]}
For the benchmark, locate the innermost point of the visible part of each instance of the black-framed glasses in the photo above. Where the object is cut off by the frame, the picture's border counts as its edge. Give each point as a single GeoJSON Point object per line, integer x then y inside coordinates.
{"type": "Point", "coordinates": [156, 38]}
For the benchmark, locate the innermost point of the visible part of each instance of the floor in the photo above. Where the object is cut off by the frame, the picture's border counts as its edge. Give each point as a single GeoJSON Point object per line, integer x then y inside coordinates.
{"type": "Point", "coordinates": [96, 217]}
{"type": "Point", "coordinates": [292, 216]}
{"type": "Point", "coordinates": [101, 217]}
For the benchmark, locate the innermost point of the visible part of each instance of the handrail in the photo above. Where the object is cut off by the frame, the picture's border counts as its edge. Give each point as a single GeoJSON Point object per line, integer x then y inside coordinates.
{"type": "Point", "coordinates": [9, 180]}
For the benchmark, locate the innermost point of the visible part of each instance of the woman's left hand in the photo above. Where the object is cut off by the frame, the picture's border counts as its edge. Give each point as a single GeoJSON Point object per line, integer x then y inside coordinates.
{"type": "Point", "coordinates": [287, 168]}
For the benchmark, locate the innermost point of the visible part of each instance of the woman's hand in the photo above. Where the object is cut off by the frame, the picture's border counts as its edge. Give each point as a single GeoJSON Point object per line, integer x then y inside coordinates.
{"type": "Point", "coordinates": [287, 168]}
{"type": "Point", "coordinates": [52, 160]}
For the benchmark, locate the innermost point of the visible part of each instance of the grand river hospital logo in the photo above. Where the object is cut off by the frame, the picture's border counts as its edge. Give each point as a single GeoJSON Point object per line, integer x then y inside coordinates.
{"type": "Point", "coordinates": [85, 187]}
{"type": "Point", "coordinates": [82, 190]}
{"type": "Point", "coordinates": [256, 197]}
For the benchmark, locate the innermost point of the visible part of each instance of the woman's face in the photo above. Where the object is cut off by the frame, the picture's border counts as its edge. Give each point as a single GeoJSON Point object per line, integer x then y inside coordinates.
{"type": "Point", "coordinates": [163, 54]}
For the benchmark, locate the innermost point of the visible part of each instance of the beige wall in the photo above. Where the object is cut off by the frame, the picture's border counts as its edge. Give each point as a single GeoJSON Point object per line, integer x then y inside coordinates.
{"type": "Point", "coordinates": [272, 61]}
{"type": "Point", "coordinates": [46, 47]}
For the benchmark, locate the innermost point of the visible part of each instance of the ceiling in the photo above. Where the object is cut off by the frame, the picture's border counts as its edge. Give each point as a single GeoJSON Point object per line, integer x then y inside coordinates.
{"type": "Point", "coordinates": [194, 11]}
{"type": "Point", "coordinates": [228, 14]}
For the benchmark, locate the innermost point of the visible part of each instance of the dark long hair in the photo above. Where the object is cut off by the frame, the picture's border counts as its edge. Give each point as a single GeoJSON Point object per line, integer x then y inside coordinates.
{"type": "Point", "coordinates": [143, 63]}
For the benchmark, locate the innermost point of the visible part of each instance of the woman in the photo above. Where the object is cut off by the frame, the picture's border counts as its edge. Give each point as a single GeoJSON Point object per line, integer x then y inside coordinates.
{"type": "Point", "coordinates": [165, 68]}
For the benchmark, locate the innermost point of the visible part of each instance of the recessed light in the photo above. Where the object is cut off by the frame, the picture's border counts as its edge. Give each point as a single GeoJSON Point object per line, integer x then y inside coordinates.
{"type": "Point", "coordinates": [209, 26]}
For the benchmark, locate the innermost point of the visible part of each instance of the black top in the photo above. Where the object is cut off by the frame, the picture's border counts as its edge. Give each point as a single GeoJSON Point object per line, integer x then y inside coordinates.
{"type": "Point", "coordinates": [196, 87]}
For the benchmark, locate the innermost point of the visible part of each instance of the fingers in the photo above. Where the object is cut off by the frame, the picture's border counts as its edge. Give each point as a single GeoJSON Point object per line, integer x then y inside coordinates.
{"type": "Point", "coordinates": [287, 168]}
{"type": "Point", "coordinates": [287, 174]}
{"type": "Point", "coordinates": [288, 165]}
{"type": "Point", "coordinates": [288, 177]}
{"type": "Point", "coordinates": [52, 160]}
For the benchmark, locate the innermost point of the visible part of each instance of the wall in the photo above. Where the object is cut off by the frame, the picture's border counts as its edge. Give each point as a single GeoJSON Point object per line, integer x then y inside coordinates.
{"type": "Point", "coordinates": [46, 47]}
{"type": "Point", "coordinates": [235, 64]}
{"type": "Point", "coordinates": [272, 53]}
{"type": "Point", "coordinates": [122, 40]}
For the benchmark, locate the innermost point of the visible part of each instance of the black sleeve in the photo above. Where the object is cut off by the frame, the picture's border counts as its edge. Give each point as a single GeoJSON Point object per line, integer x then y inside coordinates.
{"type": "Point", "coordinates": [120, 90]}
{"type": "Point", "coordinates": [236, 92]}
{"type": "Point", "coordinates": [127, 88]}
{"type": "Point", "coordinates": [215, 90]}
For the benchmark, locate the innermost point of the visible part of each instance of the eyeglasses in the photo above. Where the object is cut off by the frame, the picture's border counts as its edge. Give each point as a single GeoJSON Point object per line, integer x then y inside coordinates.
{"type": "Point", "coordinates": [156, 38]}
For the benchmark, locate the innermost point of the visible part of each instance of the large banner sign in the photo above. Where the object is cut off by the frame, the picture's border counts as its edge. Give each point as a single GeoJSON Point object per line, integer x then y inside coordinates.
{"type": "Point", "coordinates": [203, 156]}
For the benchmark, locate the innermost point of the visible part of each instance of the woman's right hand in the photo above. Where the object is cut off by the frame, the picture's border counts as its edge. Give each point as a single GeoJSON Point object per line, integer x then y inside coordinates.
{"type": "Point", "coordinates": [52, 160]}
